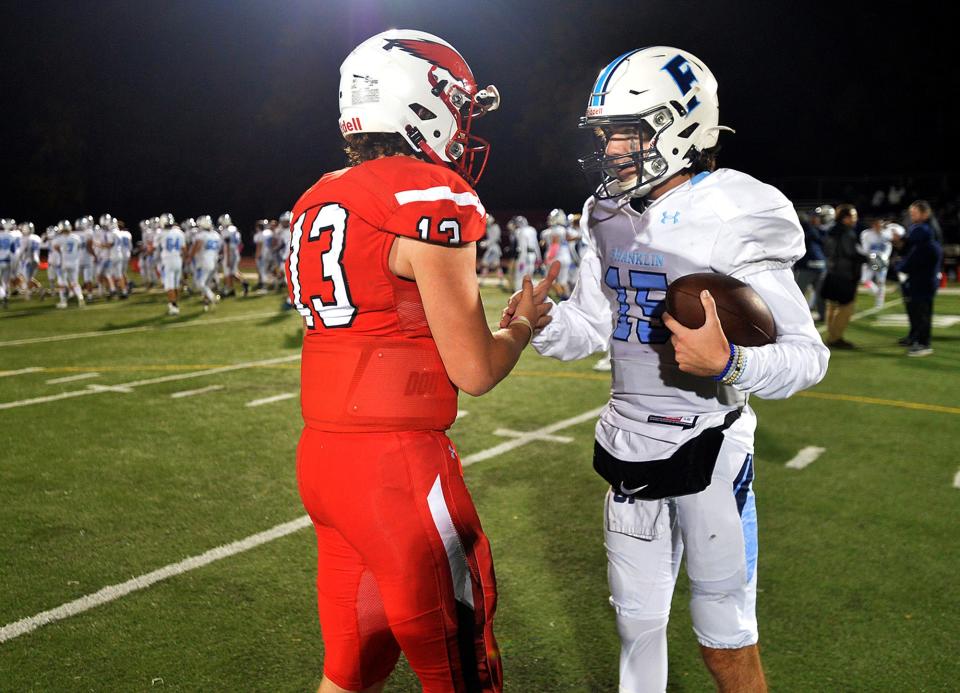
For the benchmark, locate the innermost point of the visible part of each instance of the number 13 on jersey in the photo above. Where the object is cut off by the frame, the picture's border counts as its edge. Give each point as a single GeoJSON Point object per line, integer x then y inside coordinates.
{"type": "Point", "coordinates": [332, 304]}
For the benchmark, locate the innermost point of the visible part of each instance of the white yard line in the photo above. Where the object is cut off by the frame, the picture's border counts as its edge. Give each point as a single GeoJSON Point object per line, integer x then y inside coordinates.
{"type": "Point", "coordinates": [805, 457]}
{"type": "Point", "coordinates": [22, 371]}
{"type": "Point", "coordinates": [199, 322]}
{"type": "Point", "coordinates": [113, 592]}
{"type": "Point", "coordinates": [530, 436]}
{"type": "Point", "coordinates": [956, 480]}
{"type": "Point", "coordinates": [71, 378]}
{"type": "Point", "coordinates": [510, 433]}
{"type": "Point", "coordinates": [866, 313]}
{"type": "Point", "coordinates": [270, 400]}
{"type": "Point", "coordinates": [125, 387]}
{"type": "Point", "coordinates": [191, 393]}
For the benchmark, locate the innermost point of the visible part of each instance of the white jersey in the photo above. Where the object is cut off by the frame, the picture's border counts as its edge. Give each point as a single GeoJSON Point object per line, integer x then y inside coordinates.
{"type": "Point", "coordinates": [86, 240]}
{"type": "Point", "coordinates": [528, 241]}
{"type": "Point", "coordinates": [231, 242]}
{"type": "Point", "coordinates": [69, 246]}
{"type": "Point", "coordinates": [724, 222]}
{"type": "Point", "coordinates": [16, 244]}
{"type": "Point", "coordinates": [124, 245]}
{"type": "Point", "coordinates": [264, 240]}
{"type": "Point", "coordinates": [171, 242]}
{"type": "Point", "coordinates": [31, 248]}
{"type": "Point", "coordinates": [104, 242]}
{"type": "Point", "coordinates": [210, 244]}
{"type": "Point", "coordinates": [8, 247]}
{"type": "Point", "coordinates": [878, 243]}
{"type": "Point", "coordinates": [281, 243]}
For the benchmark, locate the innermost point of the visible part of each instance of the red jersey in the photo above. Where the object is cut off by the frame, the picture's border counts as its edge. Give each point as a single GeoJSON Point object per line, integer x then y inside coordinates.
{"type": "Point", "coordinates": [369, 359]}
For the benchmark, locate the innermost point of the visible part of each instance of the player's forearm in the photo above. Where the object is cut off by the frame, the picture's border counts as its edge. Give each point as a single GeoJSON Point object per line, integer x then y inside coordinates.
{"type": "Point", "coordinates": [504, 351]}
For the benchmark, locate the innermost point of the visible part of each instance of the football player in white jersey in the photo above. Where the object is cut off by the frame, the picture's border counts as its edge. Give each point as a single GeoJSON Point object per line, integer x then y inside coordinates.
{"type": "Point", "coordinates": [120, 258]}
{"type": "Point", "coordinates": [263, 242]}
{"type": "Point", "coordinates": [557, 248]}
{"type": "Point", "coordinates": [877, 244]}
{"type": "Point", "coordinates": [69, 246]}
{"type": "Point", "coordinates": [84, 229]}
{"type": "Point", "coordinates": [675, 441]}
{"type": "Point", "coordinates": [104, 240]}
{"type": "Point", "coordinates": [204, 252]}
{"type": "Point", "coordinates": [492, 252]}
{"type": "Point", "coordinates": [172, 246]}
{"type": "Point", "coordinates": [528, 251]}
{"type": "Point", "coordinates": [29, 259]}
{"type": "Point", "coordinates": [53, 258]}
{"type": "Point", "coordinates": [8, 257]}
{"type": "Point", "coordinates": [232, 245]}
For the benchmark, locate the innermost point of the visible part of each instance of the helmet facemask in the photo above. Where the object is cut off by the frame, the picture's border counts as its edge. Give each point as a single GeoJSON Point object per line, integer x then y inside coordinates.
{"type": "Point", "coordinates": [627, 156]}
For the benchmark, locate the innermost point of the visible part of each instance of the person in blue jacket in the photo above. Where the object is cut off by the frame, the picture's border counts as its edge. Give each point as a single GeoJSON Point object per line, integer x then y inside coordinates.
{"type": "Point", "coordinates": [921, 267]}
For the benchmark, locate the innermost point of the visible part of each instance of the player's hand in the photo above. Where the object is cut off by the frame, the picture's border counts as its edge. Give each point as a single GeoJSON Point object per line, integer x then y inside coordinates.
{"type": "Point", "coordinates": [704, 351]}
{"type": "Point", "coordinates": [540, 291]}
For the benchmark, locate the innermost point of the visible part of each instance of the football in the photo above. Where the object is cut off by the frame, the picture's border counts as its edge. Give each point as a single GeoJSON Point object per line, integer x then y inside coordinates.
{"type": "Point", "coordinates": [745, 317]}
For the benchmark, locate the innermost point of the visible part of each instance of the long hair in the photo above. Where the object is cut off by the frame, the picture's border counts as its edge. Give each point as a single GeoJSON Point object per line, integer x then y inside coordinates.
{"type": "Point", "coordinates": [366, 146]}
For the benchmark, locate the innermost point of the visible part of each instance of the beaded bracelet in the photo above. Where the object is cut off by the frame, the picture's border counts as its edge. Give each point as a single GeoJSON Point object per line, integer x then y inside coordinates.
{"type": "Point", "coordinates": [726, 369]}
{"type": "Point", "coordinates": [737, 371]}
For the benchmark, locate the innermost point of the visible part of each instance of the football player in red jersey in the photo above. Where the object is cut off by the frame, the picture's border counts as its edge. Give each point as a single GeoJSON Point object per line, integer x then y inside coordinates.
{"type": "Point", "coordinates": [382, 268]}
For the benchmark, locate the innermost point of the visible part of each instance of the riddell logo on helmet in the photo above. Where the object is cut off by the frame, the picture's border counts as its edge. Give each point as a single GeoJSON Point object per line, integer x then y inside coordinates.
{"type": "Point", "coordinates": [352, 125]}
{"type": "Point", "coordinates": [594, 111]}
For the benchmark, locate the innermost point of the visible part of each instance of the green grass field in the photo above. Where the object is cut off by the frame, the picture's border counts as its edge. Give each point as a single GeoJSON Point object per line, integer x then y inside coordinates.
{"type": "Point", "coordinates": [858, 553]}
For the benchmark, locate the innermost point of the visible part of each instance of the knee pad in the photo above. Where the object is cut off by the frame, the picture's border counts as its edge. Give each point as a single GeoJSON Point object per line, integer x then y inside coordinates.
{"type": "Point", "coordinates": [724, 611]}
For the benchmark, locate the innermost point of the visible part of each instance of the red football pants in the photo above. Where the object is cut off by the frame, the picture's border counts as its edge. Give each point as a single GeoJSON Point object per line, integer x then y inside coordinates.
{"type": "Point", "coordinates": [402, 562]}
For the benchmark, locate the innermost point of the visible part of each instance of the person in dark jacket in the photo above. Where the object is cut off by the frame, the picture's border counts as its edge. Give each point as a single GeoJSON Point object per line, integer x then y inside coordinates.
{"type": "Point", "coordinates": [921, 265]}
{"type": "Point", "coordinates": [810, 270]}
{"type": "Point", "coordinates": [844, 264]}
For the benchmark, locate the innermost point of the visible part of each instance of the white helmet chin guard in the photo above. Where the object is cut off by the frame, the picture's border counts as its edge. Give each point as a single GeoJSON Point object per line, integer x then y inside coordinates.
{"type": "Point", "coordinates": [416, 84]}
{"type": "Point", "coordinates": [668, 97]}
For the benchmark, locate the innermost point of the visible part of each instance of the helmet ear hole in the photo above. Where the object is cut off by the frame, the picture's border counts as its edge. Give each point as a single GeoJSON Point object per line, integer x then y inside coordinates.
{"type": "Point", "coordinates": [423, 113]}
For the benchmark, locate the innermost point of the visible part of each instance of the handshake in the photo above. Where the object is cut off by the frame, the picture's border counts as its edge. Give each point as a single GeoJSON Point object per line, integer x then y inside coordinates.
{"type": "Point", "coordinates": [531, 301]}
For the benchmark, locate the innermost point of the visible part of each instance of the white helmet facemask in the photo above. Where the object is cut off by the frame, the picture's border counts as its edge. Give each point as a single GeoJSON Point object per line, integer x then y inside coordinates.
{"type": "Point", "coordinates": [652, 112]}
{"type": "Point", "coordinates": [417, 85]}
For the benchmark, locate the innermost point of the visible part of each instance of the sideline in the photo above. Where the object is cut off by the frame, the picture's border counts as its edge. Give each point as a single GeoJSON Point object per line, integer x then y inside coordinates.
{"type": "Point", "coordinates": [114, 592]}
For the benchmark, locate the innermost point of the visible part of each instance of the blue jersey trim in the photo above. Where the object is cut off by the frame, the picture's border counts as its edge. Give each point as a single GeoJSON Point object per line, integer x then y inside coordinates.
{"type": "Point", "coordinates": [699, 177]}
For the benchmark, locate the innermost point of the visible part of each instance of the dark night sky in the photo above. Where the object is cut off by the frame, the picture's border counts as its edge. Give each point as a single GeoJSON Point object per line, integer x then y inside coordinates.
{"type": "Point", "coordinates": [138, 107]}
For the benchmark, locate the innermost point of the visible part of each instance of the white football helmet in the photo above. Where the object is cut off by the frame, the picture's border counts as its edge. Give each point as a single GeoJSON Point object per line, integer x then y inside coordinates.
{"type": "Point", "coordinates": [557, 217]}
{"type": "Point", "coordinates": [285, 219]}
{"type": "Point", "coordinates": [63, 226]}
{"type": "Point", "coordinates": [106, 220]}
{"type": "Point", "coordinates": [827, 214]}
{"type": "Point", "coordinates": [8, 224]}
{"type": "Point", "coordinates": [26, 227]}
{"type": "Point", "coordinates": [167, 220]}
{"type": "Point", "coordinates": [670, 98]}
{"type": "Point", "coordinates": [892, 231]}
{"type": "Point", "coordinates": [205, 222]}
{"type": "Point", "coordinates": [416, 84]}
{"type": "Point", "coordinates": [224, 220]}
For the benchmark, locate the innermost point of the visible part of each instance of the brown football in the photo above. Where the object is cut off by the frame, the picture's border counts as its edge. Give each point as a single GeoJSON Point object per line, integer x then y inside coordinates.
{"type": "Point", "coordinates": [744, 316]}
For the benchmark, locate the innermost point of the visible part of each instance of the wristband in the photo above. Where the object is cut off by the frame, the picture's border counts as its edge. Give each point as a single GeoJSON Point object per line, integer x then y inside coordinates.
{"type": "Point", "coordinates": [526, 323]}
{"type": "Point", "coordinates": [726, 370]}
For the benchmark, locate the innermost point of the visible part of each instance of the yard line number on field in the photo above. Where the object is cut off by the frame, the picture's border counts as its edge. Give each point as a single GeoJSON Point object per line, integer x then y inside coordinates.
{"type": "Point", "coordinates": [113, 592]}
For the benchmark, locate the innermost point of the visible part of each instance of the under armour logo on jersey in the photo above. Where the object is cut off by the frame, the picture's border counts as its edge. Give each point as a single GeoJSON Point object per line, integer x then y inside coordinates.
{"type": "Point", "coordinates": [675, 217]}
{"type": "Point", "coordinates": [679, 68]}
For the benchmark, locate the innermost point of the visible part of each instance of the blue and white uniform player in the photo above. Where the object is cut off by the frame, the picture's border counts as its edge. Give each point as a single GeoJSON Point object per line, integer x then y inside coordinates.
{"type": "Point", "coordinates": [676, 439]}
{"type": "Point", "coordinates": [232, 245]}
{"type": "Point", "coordinates": [528, 251]}
{"type": "Point", "coordinates": [172, 245]}
{"type": "Point", "coordinates": [84, 229]}
{"type": "Point", "coordinates": [204, 253]}
{"type": "Point", "coordinates": [29, 259]}
{"type": "Point", "coordinates": [120, 258]}
{"type": "Point", "coordinates": [69, 247]}
{"type": "Point", "coordinates": [264, 256]}
{"type": "Point", "coordinates": [53, 258]}
{"type": "Point", "coordinates": [8, 257]}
